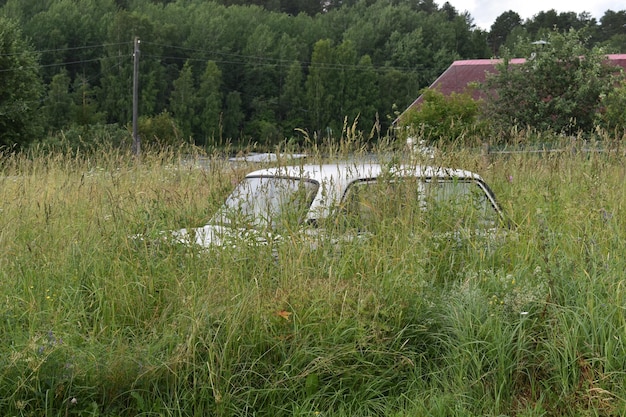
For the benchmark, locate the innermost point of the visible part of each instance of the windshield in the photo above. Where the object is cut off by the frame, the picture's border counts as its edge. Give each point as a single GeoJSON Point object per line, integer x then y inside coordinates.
{"type": "Point", "coordinates": [267, 202]}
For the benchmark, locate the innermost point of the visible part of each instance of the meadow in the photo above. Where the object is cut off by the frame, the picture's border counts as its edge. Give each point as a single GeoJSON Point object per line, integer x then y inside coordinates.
{"type": "Point", "coordinates": [96, 323]}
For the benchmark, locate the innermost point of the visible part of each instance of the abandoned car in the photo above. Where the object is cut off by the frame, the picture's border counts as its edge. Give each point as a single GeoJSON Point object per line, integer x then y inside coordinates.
{"type": "Point", "coordinates": [357, 197]}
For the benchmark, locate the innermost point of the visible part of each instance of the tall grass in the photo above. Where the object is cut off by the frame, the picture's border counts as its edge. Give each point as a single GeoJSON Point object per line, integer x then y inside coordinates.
{"type": "Point", "coordinates": [94, 322]}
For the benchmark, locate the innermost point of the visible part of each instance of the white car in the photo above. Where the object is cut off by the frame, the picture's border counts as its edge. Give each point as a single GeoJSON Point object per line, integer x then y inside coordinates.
{"type": "Point", "coordinates": [359, 197]}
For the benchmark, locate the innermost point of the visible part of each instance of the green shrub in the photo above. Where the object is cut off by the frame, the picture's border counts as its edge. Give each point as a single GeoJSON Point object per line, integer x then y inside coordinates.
{"type": "Point", "coordinates": [445, 119]}
{"type": "Point", "coordinates": [160, 131]}
{"type": "Point", "coordinates": [611, 115]}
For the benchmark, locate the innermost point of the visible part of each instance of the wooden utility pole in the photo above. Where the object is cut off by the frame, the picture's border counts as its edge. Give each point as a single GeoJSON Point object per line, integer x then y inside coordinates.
{"type": "Point", "coordinates": [136, 140]}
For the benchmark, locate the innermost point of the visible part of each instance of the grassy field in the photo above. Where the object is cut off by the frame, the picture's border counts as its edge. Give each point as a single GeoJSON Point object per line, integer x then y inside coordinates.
{"type": "Point", "coordinates": [94, 323]}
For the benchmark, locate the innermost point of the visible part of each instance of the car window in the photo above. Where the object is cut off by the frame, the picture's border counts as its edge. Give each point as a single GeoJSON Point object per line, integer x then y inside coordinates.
{"type": "Point", "coordinates": [440, 204]}
{"type": "Point", "coordinates": [453, 204]}
{"type": "Point", "coordinates": [267, 202]}
{"type": "Point", "coordinates": [371, 205]}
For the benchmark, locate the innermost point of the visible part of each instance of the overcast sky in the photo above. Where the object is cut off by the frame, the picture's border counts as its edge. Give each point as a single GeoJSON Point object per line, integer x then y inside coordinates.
{"type": "Point", "coordinates": [485, 12]}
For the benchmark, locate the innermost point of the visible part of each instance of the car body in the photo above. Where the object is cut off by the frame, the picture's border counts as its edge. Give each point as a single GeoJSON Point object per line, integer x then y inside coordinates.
{"type": "Point", "coordinates": [270, 202]}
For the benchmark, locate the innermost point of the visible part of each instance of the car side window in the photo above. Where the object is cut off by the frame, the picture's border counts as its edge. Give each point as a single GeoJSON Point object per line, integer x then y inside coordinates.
{"type": "Point", "coordinates": [453, 204]}
{"type": "Point", "coordinates": [439, 205]}
{"type": "Point", "coordinates": [371, 205]}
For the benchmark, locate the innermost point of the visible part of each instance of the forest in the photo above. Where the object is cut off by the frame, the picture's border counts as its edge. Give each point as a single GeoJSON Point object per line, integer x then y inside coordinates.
{"type": "Point", "coordinates": [215, 72]}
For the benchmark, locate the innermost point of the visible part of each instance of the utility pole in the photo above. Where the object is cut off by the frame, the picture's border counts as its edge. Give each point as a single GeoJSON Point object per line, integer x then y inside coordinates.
{"type": "Point", "coordinates": [136, 140]}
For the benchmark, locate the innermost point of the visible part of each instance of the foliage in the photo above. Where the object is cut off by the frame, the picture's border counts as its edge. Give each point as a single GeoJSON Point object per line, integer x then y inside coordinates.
{"type": "Point", "coordinates": [611, 114]}
{"type": "Point", "coordinates": [183, 100]}
{"type": "Point", "coordinates": [210, 97]}
{"type": "Point", "coordinates": [612, 33]}
{"type": "Point", "coordinates": [558, 89]}
{"type": "Point", "coordinates": [84, 139]}
{"type": "Point", "coordinates": [254, 81]}
{"type": "Point", "coordinates": [20, 87]}
{"type": "Point", "coordinates": [444, 119]}
{"type": "Point", "coordinates": [256, 69]}
{"type": "Point", "coordinates": [160, 131]}
{"type": "Point", "coordinates": [58, 103]}
{"type": "Point", "coordinates": [501, 29]}
{"type": "Point", "coordinates": [562, 22]}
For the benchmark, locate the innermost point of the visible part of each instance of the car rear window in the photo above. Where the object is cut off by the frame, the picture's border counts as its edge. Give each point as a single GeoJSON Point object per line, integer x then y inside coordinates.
{"type": "Point", "coordinates": [442, 204]}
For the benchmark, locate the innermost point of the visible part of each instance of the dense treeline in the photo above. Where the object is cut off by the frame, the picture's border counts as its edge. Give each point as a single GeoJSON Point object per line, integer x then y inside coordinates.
{"type": "Point", "coordinates": [234, 70]}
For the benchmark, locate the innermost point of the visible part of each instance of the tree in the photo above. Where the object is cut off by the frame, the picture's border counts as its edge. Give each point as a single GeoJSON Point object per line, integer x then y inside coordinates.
{"type": "Point", "coordinates": [74, 34]}
{"type": "Point", "coordinates": [261, 83]}
{"type": "Point", "coordinates": [342, 83]}
{"type": "Point", "coordinates": [501, 28]}
{"type": "Point", "coordinates": [294, 7]}
{"type": "Point", "coordinates": [613, 23]}
{"type": "Point", "coordinates": [183, 101]}
{"type": "Point", "coordinates": [233, 116]}
{"type": "Point", "coordinates": [116, 67]}
{"type": "Point", "coordinates": [562, 22]}
{"type": "Point", "coordinates": [84, 109]}
{"type": "Point", "coordinates": [292, 100]}
{"type": "Point", "coordinates": [210, 99]}
{"type": "Point", "coordinates": [318, 94]}
{"type": "Point", "coordinates": [558, 90]}
{"type": "Point", "coordinates": [58, 104]}
{"type": "Point", "coordinates": [20, 87]}
{"type": "Point", "coordinates": [23, 10]}
{"type": "Point", "coordinates": [363, 100]}
{"type": "Point", "coordinates": [612, 31]}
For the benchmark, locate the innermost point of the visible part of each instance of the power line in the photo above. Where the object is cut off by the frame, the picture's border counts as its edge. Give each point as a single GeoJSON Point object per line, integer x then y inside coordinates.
{"type": "Point", "coordinates": [287, 63]}
{"type": "Point", "coordinates": [62, 64]}
{"type": "Point", "coordinates": [253, 60]}
{"type": "Point", "coordinates": [269, 61]}
{"type": "Point", "coordinates": [75, 48]}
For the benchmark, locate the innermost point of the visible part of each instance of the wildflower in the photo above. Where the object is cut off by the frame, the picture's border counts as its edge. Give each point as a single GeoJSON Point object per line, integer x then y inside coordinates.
{"type": "Point", "coordinates": [73, 401]}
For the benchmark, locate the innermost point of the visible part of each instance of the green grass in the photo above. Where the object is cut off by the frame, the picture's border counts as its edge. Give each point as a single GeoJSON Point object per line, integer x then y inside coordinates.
{"type": "Point", "coordinates": [95, 323]}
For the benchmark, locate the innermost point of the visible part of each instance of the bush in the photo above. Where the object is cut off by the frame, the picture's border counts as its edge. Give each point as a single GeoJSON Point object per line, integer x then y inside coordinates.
{"type": "Point", "coordinates": [611, 115]}
{"type": "Point", "coordinates": [161, 130]}
{"type": "Point", "coordinates": [443, 118]}
{"type": "Point", "coordinates": [86, 138]}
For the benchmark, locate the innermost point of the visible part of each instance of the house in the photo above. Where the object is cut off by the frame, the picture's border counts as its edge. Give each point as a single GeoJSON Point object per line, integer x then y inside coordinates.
{"type": "Point", "coordinates": [461, 74]}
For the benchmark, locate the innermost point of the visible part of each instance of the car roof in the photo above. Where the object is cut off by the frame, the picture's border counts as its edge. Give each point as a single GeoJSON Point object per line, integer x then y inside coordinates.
{"type": "Point", "coordinates": [347, 172]}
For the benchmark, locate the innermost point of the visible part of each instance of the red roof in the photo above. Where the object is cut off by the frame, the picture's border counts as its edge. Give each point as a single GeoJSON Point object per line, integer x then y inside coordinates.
{"type": "Point", "coordinates": [461, 73]}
